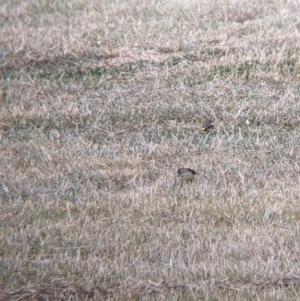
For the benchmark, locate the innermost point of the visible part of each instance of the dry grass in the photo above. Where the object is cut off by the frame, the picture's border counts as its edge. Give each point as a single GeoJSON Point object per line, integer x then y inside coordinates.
{"type": "Point", "coordinates": [101, 103]}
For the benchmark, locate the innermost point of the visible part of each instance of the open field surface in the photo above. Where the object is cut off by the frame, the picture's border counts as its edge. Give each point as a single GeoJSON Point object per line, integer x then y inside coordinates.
{"type": "Point", "coordinates": [101, 103]}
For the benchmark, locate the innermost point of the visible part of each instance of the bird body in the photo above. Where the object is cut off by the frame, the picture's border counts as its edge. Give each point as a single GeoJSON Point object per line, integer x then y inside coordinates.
{"type": "Point", "coordinates": [207, 125]}
{"type": "Point", "coordinates": [186, 174]}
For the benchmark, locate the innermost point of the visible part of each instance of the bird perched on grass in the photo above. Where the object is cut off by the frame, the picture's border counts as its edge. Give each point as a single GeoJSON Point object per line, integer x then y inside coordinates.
{"type": "Point", "coordinates": [207, 125]}
{"type": "Point", "coordinates": [186, 174]}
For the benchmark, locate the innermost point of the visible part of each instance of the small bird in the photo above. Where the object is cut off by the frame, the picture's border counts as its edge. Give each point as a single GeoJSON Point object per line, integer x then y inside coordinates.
{"type": "Point", "coordinates": [207, 125]}
{"type": "Point", "coordinates": [186, 174]}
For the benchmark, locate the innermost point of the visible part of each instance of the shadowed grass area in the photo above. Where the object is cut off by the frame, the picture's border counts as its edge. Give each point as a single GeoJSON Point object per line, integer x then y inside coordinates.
{"type": "Point", "coordinates": [101, 103]}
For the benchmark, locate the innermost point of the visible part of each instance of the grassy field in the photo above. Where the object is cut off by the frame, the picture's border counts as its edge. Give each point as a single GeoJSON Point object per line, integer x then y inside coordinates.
{"type": "Point", "coordinates": [101, 102]}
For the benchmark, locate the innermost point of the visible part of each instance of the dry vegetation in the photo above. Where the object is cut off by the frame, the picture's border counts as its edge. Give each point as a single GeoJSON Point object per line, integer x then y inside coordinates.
{"type": "Point", "coordinates": [102, 102]}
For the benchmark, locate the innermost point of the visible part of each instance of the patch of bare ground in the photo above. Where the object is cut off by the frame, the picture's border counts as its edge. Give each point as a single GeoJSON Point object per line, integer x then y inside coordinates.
{"type": "Point", "coordinates": [101, 103]}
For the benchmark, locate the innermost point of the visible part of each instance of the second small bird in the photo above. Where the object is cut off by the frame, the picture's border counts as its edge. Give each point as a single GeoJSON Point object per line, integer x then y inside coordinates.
{"type": "Point", "coordinates": [207, 125]}
{"type": "Point", "coordinates": [186, 174]}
